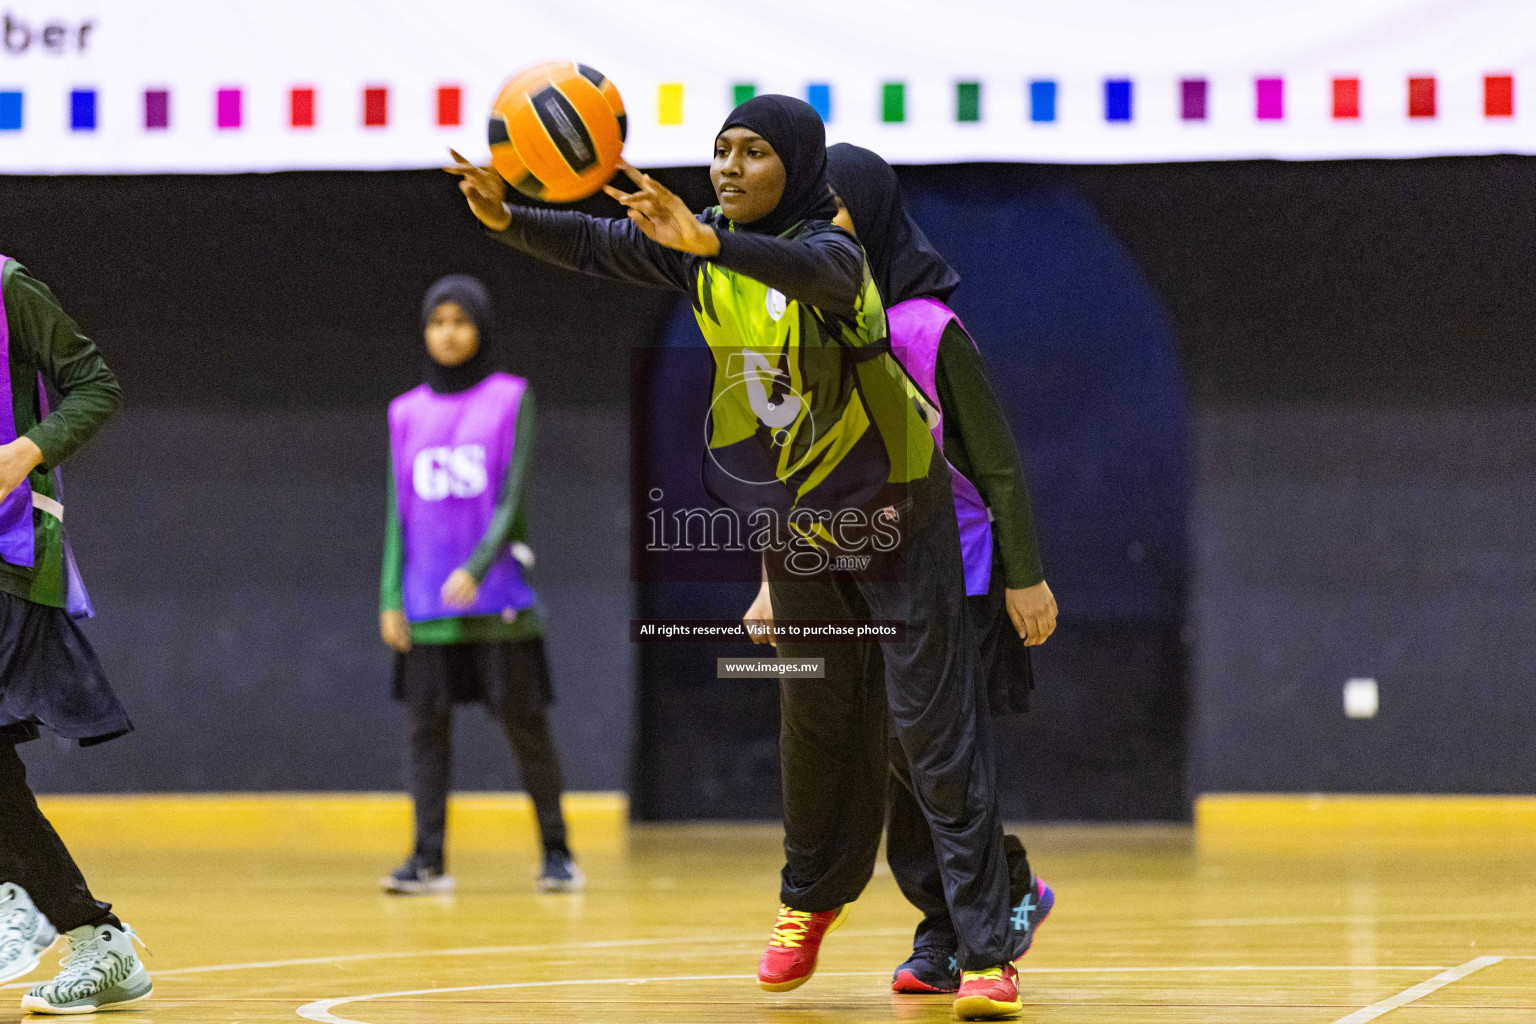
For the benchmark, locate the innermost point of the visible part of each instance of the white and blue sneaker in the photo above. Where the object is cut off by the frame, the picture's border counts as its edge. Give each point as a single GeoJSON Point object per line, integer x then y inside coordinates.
{"type": "Point", "coordinates": [560, 873]}
{"type": "Point", "coordinates": [417, 877]}
{"type": "Point", "coordinates": [25, 934]}
{"type": "Point", "coordinates": [100, 972]}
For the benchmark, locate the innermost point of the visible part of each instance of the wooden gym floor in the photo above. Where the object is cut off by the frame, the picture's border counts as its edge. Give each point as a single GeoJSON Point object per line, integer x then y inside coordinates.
{"type": "Point", "coordinates": [1252, 918]}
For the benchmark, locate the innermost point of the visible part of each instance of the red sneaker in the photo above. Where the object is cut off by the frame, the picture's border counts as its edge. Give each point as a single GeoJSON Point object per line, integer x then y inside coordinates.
{"type": "Point", "coordinates": [989, 995]}
{"type": "Point", "coordinates": [790, 959]}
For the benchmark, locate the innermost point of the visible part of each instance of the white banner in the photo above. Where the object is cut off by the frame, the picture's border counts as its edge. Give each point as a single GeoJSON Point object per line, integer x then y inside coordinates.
{"type": "Point", "coordinates": [215, 86]}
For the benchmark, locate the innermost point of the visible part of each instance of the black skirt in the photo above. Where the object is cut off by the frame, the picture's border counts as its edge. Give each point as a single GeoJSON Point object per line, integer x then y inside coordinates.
{"type": "Point", "coordinates": [50, 677]}
{"type": "Point", "coordinates": [503, 676]}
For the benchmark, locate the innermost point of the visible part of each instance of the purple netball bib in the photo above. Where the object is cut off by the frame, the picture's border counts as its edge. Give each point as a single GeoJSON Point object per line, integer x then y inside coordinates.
{"type": "Point", "coordinates": [17, 535]}
{"type": "Point", "coordinates": [916, 327]}
{"type": "Point", "coordinates": [451, 454]}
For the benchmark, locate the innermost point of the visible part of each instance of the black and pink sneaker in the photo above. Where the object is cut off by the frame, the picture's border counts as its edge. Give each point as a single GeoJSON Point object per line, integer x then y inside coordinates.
{"type": "Point", "coordinates": [928, 972]}
{"type": "Point", "coordinates": [1028, 914]}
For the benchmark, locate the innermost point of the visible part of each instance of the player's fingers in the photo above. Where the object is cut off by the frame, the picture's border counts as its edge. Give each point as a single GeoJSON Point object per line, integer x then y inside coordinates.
{"type": "Point", "coordinates": [614, 193]}
{"type": "Point", "coordinates": [636, 175]}
{"type": "Point", "coordinates": [643, 223]}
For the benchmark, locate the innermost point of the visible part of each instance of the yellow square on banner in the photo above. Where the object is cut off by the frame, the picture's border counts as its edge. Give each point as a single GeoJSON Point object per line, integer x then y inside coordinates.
{"type": "Point", "coordinates": [669, 103]}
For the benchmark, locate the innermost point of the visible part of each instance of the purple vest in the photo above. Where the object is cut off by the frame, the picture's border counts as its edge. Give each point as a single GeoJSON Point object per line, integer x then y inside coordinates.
{"type": "Point", "coordinates": [18, 537]}
{"type": "Point", "coordinates": [451, 455]}
{"type": "Point", "coordinates": [916, 327]}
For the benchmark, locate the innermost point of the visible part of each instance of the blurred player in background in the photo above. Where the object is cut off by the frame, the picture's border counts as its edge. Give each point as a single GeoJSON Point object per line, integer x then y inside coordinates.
{"type": "Point", "coordinates": [455, 601]}
{"type": "Point", "coordinates": [49, 675]}
{"type": "Point", "coordinates": [1010, 602]}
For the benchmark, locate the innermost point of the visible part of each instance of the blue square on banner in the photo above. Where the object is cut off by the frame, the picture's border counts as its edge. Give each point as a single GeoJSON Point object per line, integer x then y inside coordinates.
{"type": "Point", "coordinates": [1042, 100]}
{"type": "Point", "coordinates": [82, 110]}
{"type": "Point", "coordinates": [1117, 99]}
{"type": "Point", "coordinates": [10, 111]}
{"type": "Point", "coordinates": [819, 96]}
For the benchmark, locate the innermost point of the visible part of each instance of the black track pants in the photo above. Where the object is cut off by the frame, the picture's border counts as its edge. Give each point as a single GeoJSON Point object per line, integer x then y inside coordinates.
{"type": "Point", "coordinates": [935, 696]}
{"type": "Point", "coordinates": [34, 857]}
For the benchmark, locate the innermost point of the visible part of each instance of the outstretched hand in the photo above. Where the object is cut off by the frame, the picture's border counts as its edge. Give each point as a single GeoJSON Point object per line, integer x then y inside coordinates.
{"type": "Point", "coordinates": [662, 216]}
{"type": "Point", "coordinates": [485, 190]}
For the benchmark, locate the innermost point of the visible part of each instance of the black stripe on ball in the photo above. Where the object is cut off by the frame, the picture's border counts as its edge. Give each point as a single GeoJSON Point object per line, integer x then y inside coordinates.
{"type": "Point", "coordinates": [565, 128]}
{"type": "Point", "coordinates": [530, 185]}
{"type": "Point", "coordinates": [623, 127]}
{"type": "Point", "coordinates": [496, 131]}
{"type": "Point", "coordinates": [592, 75]}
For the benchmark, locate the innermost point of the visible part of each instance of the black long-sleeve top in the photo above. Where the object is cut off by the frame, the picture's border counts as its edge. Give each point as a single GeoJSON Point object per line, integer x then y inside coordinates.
{"type": "Point", "coordinates": [979, 443]}
{"type": "Point", "coordinates": [823, 266]}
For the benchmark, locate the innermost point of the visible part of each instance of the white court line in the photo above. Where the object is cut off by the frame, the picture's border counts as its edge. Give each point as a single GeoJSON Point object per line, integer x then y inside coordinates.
{"type": "Point", "coordinates": [1267, 922]}
{"type": "Point", "coordinates": [320, 1009]}
{"type": "Point", "coordinates": [1418, 991]}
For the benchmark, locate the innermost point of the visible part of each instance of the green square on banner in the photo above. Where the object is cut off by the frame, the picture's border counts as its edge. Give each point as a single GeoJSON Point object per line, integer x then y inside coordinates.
{"type": "Point", "coordinates": [893, 104]}
{"type": "Point", "coordinates": [968, 101]}
{"type": "Point", "coordinates": [741, 92]}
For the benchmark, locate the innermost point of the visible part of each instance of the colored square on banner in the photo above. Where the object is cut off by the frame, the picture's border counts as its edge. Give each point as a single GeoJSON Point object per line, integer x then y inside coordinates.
{"type": "Point", "coordinates": [1042, 100]}
{"type": "Point", "coordinates": [741, 92]}
{"type": "Point", "coordinates": [301, 107]}
{"type": "Point", "coordinates": [227, 112]}
{"type": "Point", "coordinates": [1499, 96]}
{"type": "Point", "coordinates": [893, 102]}
{"type": "Point", "coordinates": [669, 103]}
{"type": "Point", "coordinates": [968, 101]}
{"type": "Point", "coordinates": [157, 108]}
{"type": "Point", "coordinates": [1269, 98]}
{"type": "Point", "coordinates": [1192, 96]}
{"type": "Point", "coordinates": [375, 107]}
{"type": "Point", "coordinates": [1117, 99]}
{"type": "Point", "coordinates": [1421, 97]}
{"type": "Point", "coordinates": [82, 110]}
{"type": "Point", "coordinates": [10, 111]}
{"type": "Point", "coordinates": [450, 106]}
{"type": "Point", "coordinates": [819, 96]}
{"type": "Point", "coordinates": [1346, 99]}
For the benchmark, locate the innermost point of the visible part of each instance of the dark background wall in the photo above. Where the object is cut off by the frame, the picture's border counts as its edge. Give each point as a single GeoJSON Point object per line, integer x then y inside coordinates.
{"type": "Point", "coordinates": [1355, 345]}
{"type": "Point", "coordinates": [230, 520]}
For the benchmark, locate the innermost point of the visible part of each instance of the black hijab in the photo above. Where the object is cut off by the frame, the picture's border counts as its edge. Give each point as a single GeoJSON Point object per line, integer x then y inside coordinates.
{"type": "Point", "coordinates": [471, 297]}
{"type": "Point", "coordinates": [902, 261]}
{"type": "Point", "coordinates": [794, 130]}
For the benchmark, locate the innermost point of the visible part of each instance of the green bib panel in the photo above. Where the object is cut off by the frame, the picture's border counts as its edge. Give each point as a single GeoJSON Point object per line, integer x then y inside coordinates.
{"type": "Point", "coordinates": [806, 410]}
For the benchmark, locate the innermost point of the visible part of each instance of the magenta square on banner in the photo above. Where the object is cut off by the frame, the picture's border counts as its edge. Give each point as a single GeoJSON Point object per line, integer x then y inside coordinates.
{"type": "Point", "coordinates": [229, 108]}
{"type": "Point", "coordinates": [1192, 93]}
{"type": "Point", "coordinates": [1270, 93]}
{"type": "Point", "coordinates": [157, 108]}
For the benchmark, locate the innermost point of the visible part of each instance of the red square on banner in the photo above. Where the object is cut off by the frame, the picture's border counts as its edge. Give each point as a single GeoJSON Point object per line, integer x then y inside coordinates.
{"type": "Point", "coordinates": [1421, 97]}
{"type": "Point", "coordinates": [1346, 98]}
{"type": "Point", "coordinates": [1499, 96]}
{"type": "Point", "coordinates": [375, 107]}
{"type": "Point", "coordinates": [449, 100]}
{"type": "Point", "coordinates": [301, 108]}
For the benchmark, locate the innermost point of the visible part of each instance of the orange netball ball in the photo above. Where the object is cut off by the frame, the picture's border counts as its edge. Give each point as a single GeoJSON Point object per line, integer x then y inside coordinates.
{"type": "Point", "coordinates": [557, 131]}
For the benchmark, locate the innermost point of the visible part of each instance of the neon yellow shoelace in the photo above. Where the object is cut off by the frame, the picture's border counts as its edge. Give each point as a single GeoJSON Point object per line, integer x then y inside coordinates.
{"type": "Point", "coordinates": [789, 930]}
{"type": "Point", "coordinates": [986, 975]}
